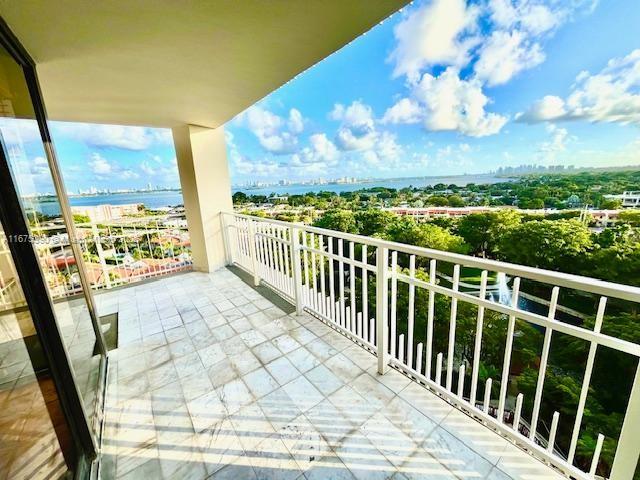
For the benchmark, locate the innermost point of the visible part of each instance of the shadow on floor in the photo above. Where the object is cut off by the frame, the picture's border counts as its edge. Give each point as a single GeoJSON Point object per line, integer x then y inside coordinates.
{"type": "Point", "coordinates": [266, 292]}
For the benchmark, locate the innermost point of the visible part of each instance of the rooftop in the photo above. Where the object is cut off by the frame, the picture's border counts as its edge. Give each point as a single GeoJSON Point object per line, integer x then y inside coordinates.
{"type": "Point", "coordinates": [213, 380]}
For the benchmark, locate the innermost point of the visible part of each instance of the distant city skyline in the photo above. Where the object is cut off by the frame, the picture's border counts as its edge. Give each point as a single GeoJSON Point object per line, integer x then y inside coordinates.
{"type": "Point", "coordinates": [443, 87]}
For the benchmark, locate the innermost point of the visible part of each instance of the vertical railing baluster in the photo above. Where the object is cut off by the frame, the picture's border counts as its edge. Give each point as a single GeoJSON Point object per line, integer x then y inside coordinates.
{"type": "Point", "coordinates": [323, 293]}
{"type": "Point", "coordinates": [268, 274]}
{"type": "Point", "coordinates": [272, 259]}
{"type": "Point", "coordinates": [596, 457]}
{"type": "Point", "coordinates": [394, 297]}
{"type": "Point", "coordinates": [267, 246]}
{"type": "Point", "coordinates": [452, 326]}
{"type": "Point", "coordinates": [341, 314]}
{"type": "Point", "coordinates": [352, 285]}
{"type": "Point", "coordinates": [382, 272]}
{"type": "Point", "coordinates": [252, 254]}
{"type": "Point", "coordinates": [430, 312]}
{"type": "Point", "coordinates": [241, 235]}
{"type": "Point", "coordinates": [518, 412]}
{"type": "Point", "coordinates": [439, 369]}
{"type": "Point", "coordinates": [602, 305]}
{"type": "Point", "coordinates": [365, 297]}
{"type": "Point", "coordinates": [224, 224]}
{"type": "Point", "coordinates": [542, 370]}
{"type": "Point", "coordinates": [461, 381]}
{"type": "Point", "coordinates": [372, 331]}
{"type": "Point", "coordinates": [487, 396]}
{"type": "Point", "coordinates": [280, 250]}
{"type": "Point", "coordinates": [314, 274]}
{"type": "Point", "coordinates": [478, 341]}
{"type": "Point", "coordinates": [411, 309]}
{"type": "Point", "coordinates": [419, 359]}
{"type": "Point", "coordinates": [305, 262]}
{"type": "Point", "coordinates": [332, 289]}
{"type": "Point", "coordinates": [552, 431]}
{"type": "Point", "coordinates": [287, 259]}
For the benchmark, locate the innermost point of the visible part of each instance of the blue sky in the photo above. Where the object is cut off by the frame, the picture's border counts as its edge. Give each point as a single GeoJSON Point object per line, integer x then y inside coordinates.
{"type": "Point", "coordinates": [442, 87]}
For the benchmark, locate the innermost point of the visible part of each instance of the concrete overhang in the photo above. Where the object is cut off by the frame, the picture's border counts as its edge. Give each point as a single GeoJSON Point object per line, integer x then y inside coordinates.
{"type": "Point", "coordinates": [171, 62]}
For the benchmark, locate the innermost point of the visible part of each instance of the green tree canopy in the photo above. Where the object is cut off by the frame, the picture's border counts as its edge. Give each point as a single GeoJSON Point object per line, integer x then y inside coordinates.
{"type": "Point", "coordinates": [373, 221]}
{"type": "Point", "coordinates": [240, 198]}
{"type": "Point", "coordinates": [482, 231]}
{"type": "Point", "coordinates": [551, 244]}
{"type": "Point", "coordinates": [632, 217]}
{"type": "Point", "coordinates": [340, 220]}
{"type": "Point", "coordinates": [427, 235]}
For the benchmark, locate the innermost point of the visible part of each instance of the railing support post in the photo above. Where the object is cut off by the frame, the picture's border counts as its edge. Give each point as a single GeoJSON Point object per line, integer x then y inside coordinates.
{"type": "Point", "coordinates": [225, 238]}
{"type": "Point", "coordinates": [382, 328]}
{"type": "Point", "coordinates": [628, 451]}
{"type": "Point", "coordinates": [252, 252]}
{"type": "Point", "coordinates": [297, 270]}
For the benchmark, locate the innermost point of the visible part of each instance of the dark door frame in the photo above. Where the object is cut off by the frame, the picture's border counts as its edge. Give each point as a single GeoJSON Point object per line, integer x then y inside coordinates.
{"type": "Point", "coordinates": [32, 280]}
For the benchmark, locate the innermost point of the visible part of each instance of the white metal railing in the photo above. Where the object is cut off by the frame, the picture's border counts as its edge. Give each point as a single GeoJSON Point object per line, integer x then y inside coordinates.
{"type": "Point", "coordinates": [117, 252]}
{"type": "Point", "coordinates": [339, 276]}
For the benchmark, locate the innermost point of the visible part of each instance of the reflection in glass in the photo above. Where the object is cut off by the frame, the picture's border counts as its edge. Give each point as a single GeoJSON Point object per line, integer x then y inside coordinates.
{"type": "Point", "coordinates": [41, 205]}
{"type": "Point", "coordinates": [34, 439]}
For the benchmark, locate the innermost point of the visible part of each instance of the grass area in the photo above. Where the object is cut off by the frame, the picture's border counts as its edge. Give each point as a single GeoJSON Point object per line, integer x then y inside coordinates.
{"type": "Point", "coordinates": [470, 275]}
{"type": "Point", "coordinates": [473, 275]}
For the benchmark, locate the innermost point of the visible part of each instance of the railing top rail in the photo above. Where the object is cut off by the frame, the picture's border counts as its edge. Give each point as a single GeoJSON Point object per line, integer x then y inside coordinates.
{"type": "Point", "coordinates": [124, 221]}
{"type": "Point", "coordinates": [588, 284]}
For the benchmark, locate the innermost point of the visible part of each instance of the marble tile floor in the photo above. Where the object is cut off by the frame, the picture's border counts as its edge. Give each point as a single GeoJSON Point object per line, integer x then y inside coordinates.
{"type": "Point", "coordinates": [212, 380]}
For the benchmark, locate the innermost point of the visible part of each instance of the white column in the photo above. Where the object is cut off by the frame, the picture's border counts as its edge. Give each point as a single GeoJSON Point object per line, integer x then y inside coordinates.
{"type": "Point", "coordinates": [206, 189]}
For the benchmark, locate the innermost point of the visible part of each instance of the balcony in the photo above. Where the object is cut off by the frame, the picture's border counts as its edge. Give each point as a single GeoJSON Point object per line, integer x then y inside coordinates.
{"type": "Point", "coordinates": [215, 377]}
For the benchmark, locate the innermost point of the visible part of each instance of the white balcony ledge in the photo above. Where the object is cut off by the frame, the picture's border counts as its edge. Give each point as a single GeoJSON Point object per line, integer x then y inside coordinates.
{"type": "Point", "coordinates": [212, 380]}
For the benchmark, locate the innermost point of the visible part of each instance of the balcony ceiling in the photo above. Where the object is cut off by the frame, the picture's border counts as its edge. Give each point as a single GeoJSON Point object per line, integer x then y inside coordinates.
{"type": "Point", "coordinates": [166, 63]}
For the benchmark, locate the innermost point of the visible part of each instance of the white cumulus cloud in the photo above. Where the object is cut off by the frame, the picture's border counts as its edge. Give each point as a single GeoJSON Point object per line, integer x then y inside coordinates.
{"type": "Point", "coordinates": [321, 150]}
{"type": "Point", "coordinates": [406, 111]}
{"type": "Point", "coordinates": [434, 34]}
{"type": "Point", "coordinates": [275, 134]}
{"type": "Point", "coordinates": [558, 140]}
{"type": "Point", "coordinates": [535, 17]}
{"type": "Point", "coordinates": [357, 129]}
{"type": "Point", "coordinates": [100, 165]}
{"type": "Point", "coordinates": [451, 103]}
{"type": "Point", "coordinates": [549, 107]}
{"type": "Point", "coordinates": [296, 122]}
{"type": "Point", "coordinates": [505, 54]}
{"type": "Point", "coordinates": [386, 152]}
{"type": "Point", "coordinates": [114, 136]}
{"type": "Point", "coordinates": [612, 95]}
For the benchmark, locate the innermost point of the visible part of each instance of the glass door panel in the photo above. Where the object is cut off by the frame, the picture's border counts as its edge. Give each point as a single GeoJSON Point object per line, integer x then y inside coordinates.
{"type": "Point", "coordinates": [28, 153]}
{"type": "Point", "coordinates": [52, 242]}
{"type": "Point", "coordinates": [34, 439]}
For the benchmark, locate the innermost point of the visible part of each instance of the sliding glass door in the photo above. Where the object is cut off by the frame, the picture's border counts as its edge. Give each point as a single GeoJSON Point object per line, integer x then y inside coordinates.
{"type": "Point", "coordinates": [52, 354]}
